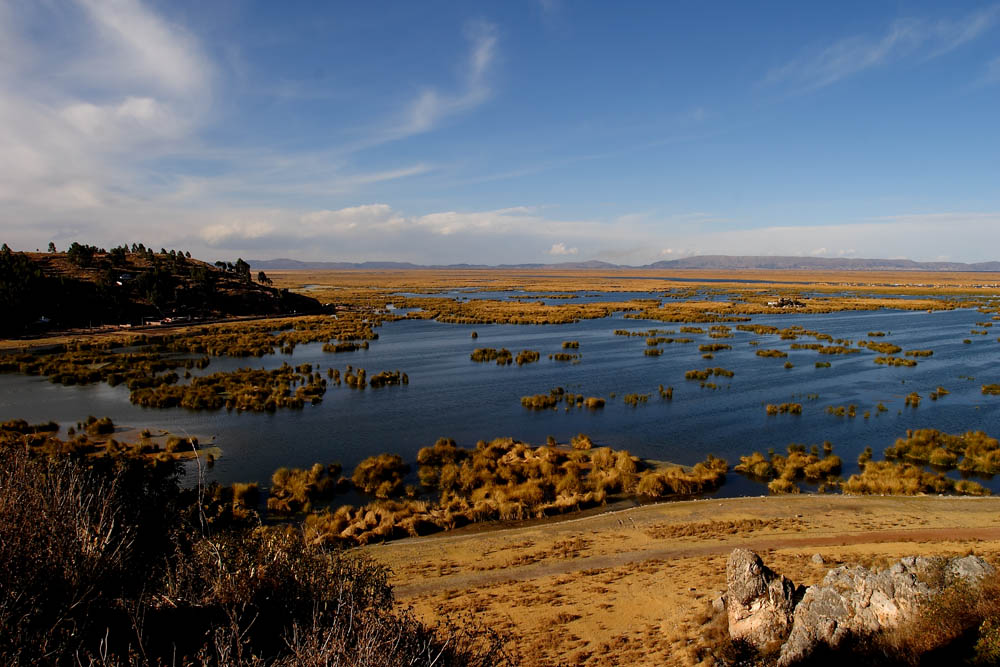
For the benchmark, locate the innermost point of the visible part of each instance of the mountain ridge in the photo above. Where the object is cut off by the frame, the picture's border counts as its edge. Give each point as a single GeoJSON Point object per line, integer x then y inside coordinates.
{"type": "Point", "coordinates": [704, 262]}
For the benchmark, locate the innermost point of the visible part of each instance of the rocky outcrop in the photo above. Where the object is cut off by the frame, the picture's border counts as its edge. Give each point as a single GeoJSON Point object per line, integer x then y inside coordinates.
{"type": "Point", "coordinates": [759, 602]}
{"type": "Point", "coordinates": [852, 602]}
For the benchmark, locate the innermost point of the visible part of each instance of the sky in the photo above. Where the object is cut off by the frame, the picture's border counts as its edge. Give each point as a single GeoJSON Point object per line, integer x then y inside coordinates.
{"type": "Point", "coordinates": [502, 132]}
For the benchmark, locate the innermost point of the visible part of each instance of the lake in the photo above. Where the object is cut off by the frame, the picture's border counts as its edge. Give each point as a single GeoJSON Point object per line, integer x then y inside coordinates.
{"type": "Point", "coordinates": [451, 396]}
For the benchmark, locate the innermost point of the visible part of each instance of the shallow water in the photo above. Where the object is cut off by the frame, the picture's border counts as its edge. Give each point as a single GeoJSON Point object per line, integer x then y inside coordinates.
{"type": "Point", "coordinates": [451, 396]}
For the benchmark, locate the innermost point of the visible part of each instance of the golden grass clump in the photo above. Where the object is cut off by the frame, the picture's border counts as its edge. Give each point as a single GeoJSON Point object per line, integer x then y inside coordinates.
{"type": "Point", "coordinates": [906, 479]}
{"type": "Point", "coordinates": [895, 361]}
{"type": "Point", "coordinates": [880, 347]}
{"type": "Point", "coordinates": [502, 356]}
{"type": "Point", "coordinates": [540, 401]}
{"type": "Point", "coordinates": [297, 490]}
{"type": "Point", "coordinates": [677, 480]}
{"type": "Point", "coordinates": [771, 353]}
{"type": "Point", "coordinates": [971, 452]}
{"type": "Point", "coordinates": [783, 471]}
{"type": "Point", "coordinates": [783, 408]}
{"type": "Point", "coordinates": [381, 475]}
{"type": "Point", "coordinates": [527, 357]}
{"type": "Point", "coordinates": [571, 344]}
{"type": "Point", "coordinates": [842, 410]}
{"type": "Point", "coordinates": [635, 399]}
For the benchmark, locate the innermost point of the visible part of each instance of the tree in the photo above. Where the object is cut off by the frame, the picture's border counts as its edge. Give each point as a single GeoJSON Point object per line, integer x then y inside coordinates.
{"type": "Point", "coordinates": [81, 254]}
{"type": "Point", "coordinates": [242, 270]}
{"type": "Point", "coordinates": [52, 246]}
{"type": "Point", "coordinates": [263, 279]}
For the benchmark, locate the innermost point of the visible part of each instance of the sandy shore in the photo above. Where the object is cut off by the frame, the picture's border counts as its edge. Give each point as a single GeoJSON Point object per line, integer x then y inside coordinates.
{"type": "Point", "coordinates": [635, 586]}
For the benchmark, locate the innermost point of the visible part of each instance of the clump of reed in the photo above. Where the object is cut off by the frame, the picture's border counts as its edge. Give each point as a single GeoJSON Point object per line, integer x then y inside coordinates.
{"type": "Point", "coordinates": [564, 356]}
{"type": "Point", "coordinates": [581, 441]}
{"type": "Point", "coordinates": [919, 353]}
{"type": "Point", "coordinates": [653, 351]}
{"type": "Point", "coordinates": [705, 476]}
{"type": "Point", "coordinates": [503, 356]}
{"type": "Point", "coordinates": [571, 344]}
{"type": "Point", "coordinates": [782, 472]}
{"type": "Point", "coordinates": [667, 340]}
{"type": "Point", "coordinates": [558, 395]}
{"type": "Point", "coordinates": [707, 373]}
{"type": "Point", "coordinates": [381, 475]}
{"type": "Point", "coordinates": [759, 329]}
{"type": "Point", "coordinates": [714, 347]}
{"type": "Point", "coordinates": [527, 357]}
{"type": "Point", "coordinates": [990, 389]}
{"type": "Point", "coordinates": [783, 408]}
{"type": "Point", "coordinates": [971, 452]}
{"type": "Point", "coordinates": [666, 394]}
{"type": "Point", "coordinates": [912, 399]}
{"type": "Point", "coordinates": [880, 347]}
{"type": "Point", "coordinates": [772, 353]}
{"type": "Point", "coordinates": [297, 490]}
{"type": "Point", "coordinates": [94, 426]}
{"type": "Point", "coordinates": [842, 410]}
{"type": "Point", "coordinates": [895, 361]}
{"type": "Point", "coordinates": [540, 401]}
{"type": "Point", "coordinates": [635, 399]}
{"type": "Point", "coordinates": [344, 347]}
{"type": "Point", "coordinates": [822, 364]}
{"type": "Point", "coordinates": [386, 378]}
{"type": "Point", "coordinates": [906, 479]}
{"type": "Point", "coordinates": [242, 389]}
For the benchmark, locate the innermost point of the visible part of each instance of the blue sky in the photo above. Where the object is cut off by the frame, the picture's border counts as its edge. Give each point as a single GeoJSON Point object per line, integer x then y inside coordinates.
{"type": "Point", "coordinates": [534, 131]}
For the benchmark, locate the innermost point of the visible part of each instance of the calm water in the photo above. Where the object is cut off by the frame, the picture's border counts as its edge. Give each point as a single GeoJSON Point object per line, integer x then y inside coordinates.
{"type": "Point", "coordinates": [451, 396]}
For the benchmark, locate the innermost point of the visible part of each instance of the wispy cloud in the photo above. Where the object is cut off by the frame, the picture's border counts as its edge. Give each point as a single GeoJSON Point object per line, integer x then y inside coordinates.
{"type": "Point", "coordinates": [432, 105]}
{"type": "Point", "coordinates": [991, 76]}
{"type": "Point", "coordinates": [907, 38]}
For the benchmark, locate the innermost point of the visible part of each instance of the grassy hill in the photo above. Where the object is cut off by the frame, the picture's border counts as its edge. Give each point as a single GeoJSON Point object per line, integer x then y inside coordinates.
{"type": "Point", "coordinates": [89, 286]}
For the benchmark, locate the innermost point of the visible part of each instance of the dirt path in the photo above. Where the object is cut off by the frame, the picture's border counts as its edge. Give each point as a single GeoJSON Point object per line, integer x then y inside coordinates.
{"type": "Point", "coordinates": [634, 586]}
{"type": "Point", "coordinates": [467, 580]}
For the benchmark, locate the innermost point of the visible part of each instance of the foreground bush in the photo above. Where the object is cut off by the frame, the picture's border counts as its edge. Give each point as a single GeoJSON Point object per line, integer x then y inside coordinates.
{"type": "Point", "coordinates": [107, 561]}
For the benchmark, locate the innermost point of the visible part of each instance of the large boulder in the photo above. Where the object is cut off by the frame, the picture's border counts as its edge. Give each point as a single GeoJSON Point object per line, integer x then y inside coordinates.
{"type": "Point", "coordinates": [759, 602]}
{"type": "Point", "coordinates": [853, 602]}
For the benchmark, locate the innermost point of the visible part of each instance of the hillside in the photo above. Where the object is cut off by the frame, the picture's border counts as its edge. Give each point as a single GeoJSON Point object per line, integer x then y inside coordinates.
{"type": "Point", "coordinates": [89, 286]}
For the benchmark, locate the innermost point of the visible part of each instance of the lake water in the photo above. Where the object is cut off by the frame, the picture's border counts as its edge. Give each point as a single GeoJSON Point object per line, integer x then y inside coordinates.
{"type": "Point", "coordinates": [451, 396]}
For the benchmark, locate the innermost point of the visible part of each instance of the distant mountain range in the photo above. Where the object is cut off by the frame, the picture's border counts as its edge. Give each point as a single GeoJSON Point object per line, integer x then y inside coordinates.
{"type": "Point", "coordinates": [705, 262]}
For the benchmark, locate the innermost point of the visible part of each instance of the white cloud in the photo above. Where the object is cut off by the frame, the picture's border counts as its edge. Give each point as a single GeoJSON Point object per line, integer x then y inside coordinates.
{"type": "Point", "coordinates": [913, 38]}
{"type": "Point", "coordinates": [561, 249]}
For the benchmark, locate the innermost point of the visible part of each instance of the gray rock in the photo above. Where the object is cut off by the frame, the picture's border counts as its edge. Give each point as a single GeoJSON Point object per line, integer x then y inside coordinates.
{"type": "Point", "coordinates": [759, 602]}
{"type": "Point", "coordinates": [854, 601]}
{"type": "Point", "coordinates": [818, 559]}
